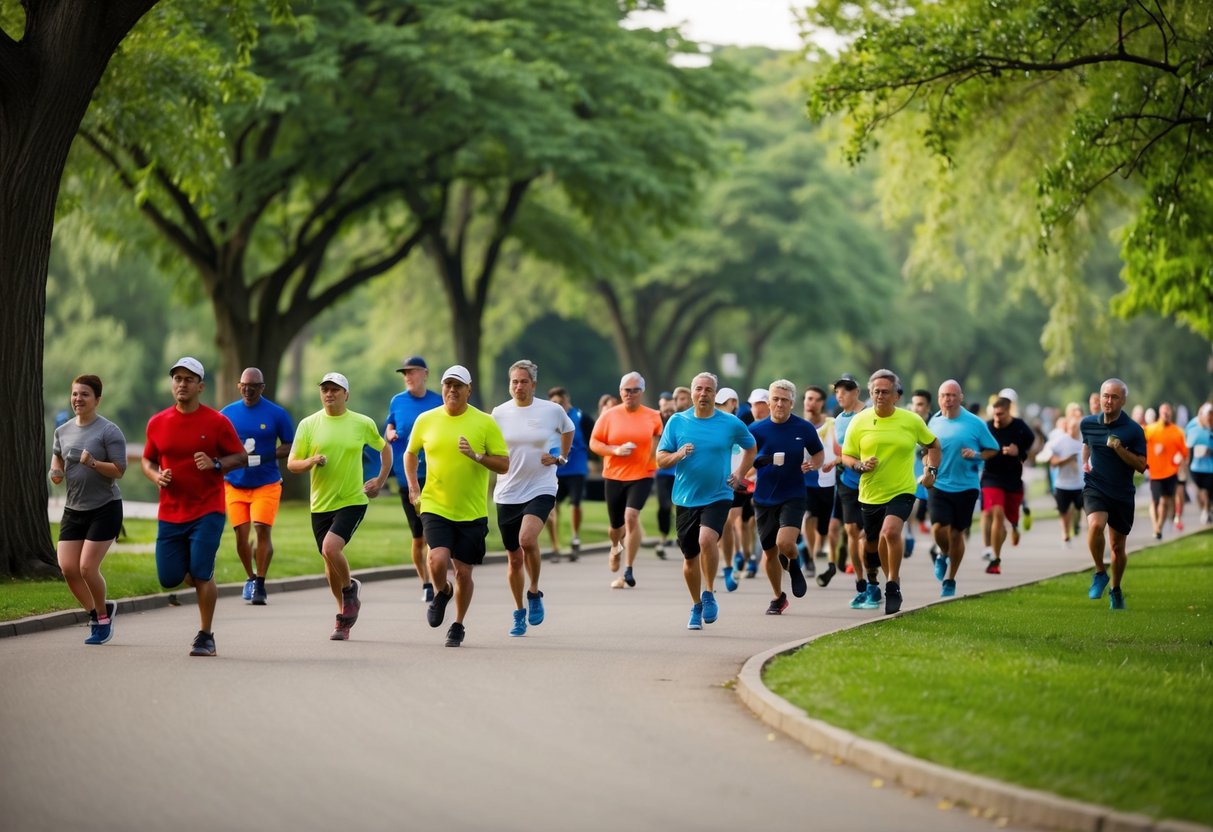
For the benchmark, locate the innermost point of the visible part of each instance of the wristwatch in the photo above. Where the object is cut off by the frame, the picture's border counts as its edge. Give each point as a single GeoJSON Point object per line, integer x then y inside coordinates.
{"type": "Point", "coordinates": [561, 460]}
{"type": "Point", "coordinates": [934, 469]}
{"type": "Point", "coordinates": [218, 464]}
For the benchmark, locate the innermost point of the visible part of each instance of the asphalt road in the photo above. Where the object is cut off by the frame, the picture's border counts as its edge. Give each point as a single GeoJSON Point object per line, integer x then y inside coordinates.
{"type": "Point", "coordinates": [611, 715]}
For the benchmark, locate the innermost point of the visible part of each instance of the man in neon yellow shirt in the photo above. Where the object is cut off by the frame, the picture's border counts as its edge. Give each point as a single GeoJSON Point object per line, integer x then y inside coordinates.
{"type": "Point", "coordinates": [461, 444]}
{"type": "Point", "coordinates": [329, 444]}
{"type": "Point", "coordinates": [879, 446]}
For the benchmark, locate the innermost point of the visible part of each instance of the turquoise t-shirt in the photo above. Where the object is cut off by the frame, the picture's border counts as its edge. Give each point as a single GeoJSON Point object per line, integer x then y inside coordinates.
{"type": "Point", "coordinates": [702, 478]}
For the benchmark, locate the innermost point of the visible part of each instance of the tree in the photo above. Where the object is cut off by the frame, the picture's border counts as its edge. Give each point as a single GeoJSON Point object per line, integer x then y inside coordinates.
{"type": "Point", "coordinates": [1095, 90]}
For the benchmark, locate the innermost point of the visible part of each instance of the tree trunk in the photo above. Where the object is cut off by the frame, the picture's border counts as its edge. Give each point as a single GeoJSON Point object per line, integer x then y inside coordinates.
{"type": "Point", "coordinates": [46, 82]}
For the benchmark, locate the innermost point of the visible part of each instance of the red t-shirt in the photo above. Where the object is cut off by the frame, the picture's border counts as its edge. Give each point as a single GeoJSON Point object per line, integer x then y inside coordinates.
{"type": "Point", "coordinates": [173, 438]}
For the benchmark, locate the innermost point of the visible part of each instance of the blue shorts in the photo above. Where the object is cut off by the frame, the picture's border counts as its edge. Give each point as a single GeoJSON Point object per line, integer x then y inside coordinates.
{"type": "Point", "coordinates": [188, 549]}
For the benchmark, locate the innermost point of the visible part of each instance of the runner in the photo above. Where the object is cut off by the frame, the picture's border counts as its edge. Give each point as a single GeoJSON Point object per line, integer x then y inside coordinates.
{"type": "Point", "coordinates": [1002, 479]}
{"type": "Point", "coordinates": [821, 527]}
{"type": "Point", "coordinates": [846, 504]}
{"type": "Point", "coordinates": [1062, 453]}
{"type": "Point", "coordinates": [1166, 451]}
{"type": "Point", "coordinates": [570, 477]}
{"type": "Point", "coordinates": [1199, 437]}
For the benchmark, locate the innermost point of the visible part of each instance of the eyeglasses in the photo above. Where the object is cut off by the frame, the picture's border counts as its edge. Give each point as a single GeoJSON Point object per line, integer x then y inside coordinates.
{"type": "Point", "coordinates": [245, 384]}
{"type": "Point", "coordinates": [632, 390]}
{"type": "Point", "coordinates": [880, 391]}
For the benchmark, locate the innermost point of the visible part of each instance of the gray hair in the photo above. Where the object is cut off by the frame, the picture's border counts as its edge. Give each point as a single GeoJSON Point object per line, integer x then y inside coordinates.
{"type": "Point", "coordinates": [784, 385]}
{"type": "Point", "coordinates": [1124, 388]}
{"type": "Point", "coordinates": [890, 375]}
{"type": "Point", "coordinates": [531, 368]}
{"type": "Point", "coordinates": [623, 382]}
{"type": "Point", "coordinates": [712, 376]}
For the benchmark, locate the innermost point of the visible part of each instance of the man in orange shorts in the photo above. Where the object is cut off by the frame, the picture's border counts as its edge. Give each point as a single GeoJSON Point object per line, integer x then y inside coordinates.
{"type": "Point", "coordinates": [254, 492]}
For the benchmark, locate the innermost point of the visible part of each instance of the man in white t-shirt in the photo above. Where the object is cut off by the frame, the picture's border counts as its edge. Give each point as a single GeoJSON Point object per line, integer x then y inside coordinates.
{"type": "Point", "coordinates": [539, 434]}
{"type": "Point", "coordinates": [1063, 454]}
{"type": "Point", "coordinates": [821, 528]}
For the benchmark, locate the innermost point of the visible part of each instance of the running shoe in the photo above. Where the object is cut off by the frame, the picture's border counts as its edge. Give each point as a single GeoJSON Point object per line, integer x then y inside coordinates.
{"type": "Point", "coordinates": [660, 550]}
{"type": "Point", "coordinates": [892, 598]}
{"type": "Point", "coordinates": [995, 567]}
{"type": "Point", "coordinates": [711, 610]}
{"type": "Point", "coordinates": [259, 596]}
{"type": "Point", "coordinates": [949, 588]}
{"type": "Point", "coordinates": [534, 604]}
{"type": "Point", "coordinates": [873, 602]}
{"type": "Point", "coordinates": [1158, 535]}
{"type": "Point", "coordinates": [799, 585]}
{"type": "Point", "coordinates": [1179, 524]}
{"type": "Point", "coordinates": [575, 545]}
{"type": "Point", "coordinates": [1027, 519]}
{"type": "Point", "coordinates": [454, 636]}
{"type": "Point", "coordinates": [1116, 599]}
{"type": "Point", "coordinates": [730, 582]}
{"type": "Point", "coordinates": [823, 580]}
{"type": "Point", "coordinates": [751, 567]}
{"type": "Point", "coordinates": [519, 628]}
{"type": "Point", "coordinates": [696, 620]}
{"type": "Point", "coordinates": [1204, 517]}
{"type": "Point", "coordinates": [1098, 581]}
{"type": "Point", "coordinates": [102, 632]}
{"type": "Point", "coordinates": [909, 547]}
{"type": "Point", "coordinates": [923, 527]}
{"type": "Point", "coordinates": [618, 583]}
{"type": "Point", "coordinates": [850, 570]}
{"type": "Point", "coordinates": [934, 553]}
{"type": "Point", "coordinates": [427, 592]}
{"type": "Point", "coordinates": [987, 554]}
{"type": "Point", "coordinates": [941, 567]}
{"type": "Point", "coordinates": [341, 632]}
{"type": "Point", "coordinates": [350, 602]}
{"type": "Point", "coordinates": [778, 605]}
{"type": "Point", "coordinates": [810, 568]}
{"type": "Point", "coordinates": [111, 608]}
{"type": "Point", "coordinates": [248, 589]}
{"type": "Point", "coordinates": [437, 609]}
{"type": "Point", "coordinates": [627, 577]}
{"type": "Point", "coordinates": [823, 554]}
{"type": "Point", "coordinates": [615, 554]}
{"type": "Point", "coordinates": [92, 633]}
{"type": "Point", "coordinates": [204, 644]}
{"type": "Point", "coordinates": [860, 599]}
{"type": "Point", "coordinates": [738, 561]}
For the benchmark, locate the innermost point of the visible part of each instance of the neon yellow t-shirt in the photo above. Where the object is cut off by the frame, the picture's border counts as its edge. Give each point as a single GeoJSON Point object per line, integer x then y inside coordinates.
{"type": "Point", "coordinates": [456, 487]}
{"type": "Point", "coordinates": [891, 440]}
{"type": "Point", "coordinates": [337, 483]}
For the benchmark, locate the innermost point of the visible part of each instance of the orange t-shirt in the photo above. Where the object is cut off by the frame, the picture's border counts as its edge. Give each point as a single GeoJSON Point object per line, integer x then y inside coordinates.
{"type": "Point", "coordinates": [617, 426]}
{"type": "Point", "coordinates": [1163, 443]}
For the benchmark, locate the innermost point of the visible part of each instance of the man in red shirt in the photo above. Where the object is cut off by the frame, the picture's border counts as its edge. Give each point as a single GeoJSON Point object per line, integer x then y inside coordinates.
{"type": "Point", "coordinates": [189, 447]}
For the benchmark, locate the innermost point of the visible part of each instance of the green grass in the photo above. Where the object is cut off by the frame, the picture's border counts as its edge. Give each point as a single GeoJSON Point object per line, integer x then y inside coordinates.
{"type": "Point", "coordinates": [382, 540]}
{"type": "Point", "coordinates": [1040, 686]}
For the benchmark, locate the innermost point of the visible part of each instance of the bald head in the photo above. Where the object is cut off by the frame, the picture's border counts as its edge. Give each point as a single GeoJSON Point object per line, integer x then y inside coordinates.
{"type": "Point", "coordinates": [951, 397]}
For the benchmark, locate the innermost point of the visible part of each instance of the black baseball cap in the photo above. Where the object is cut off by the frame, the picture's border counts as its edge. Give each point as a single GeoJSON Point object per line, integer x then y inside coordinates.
{"type": "Point", "coordinates": [846, 380]}
{"type": "Point", "coordinates": [415, 362]}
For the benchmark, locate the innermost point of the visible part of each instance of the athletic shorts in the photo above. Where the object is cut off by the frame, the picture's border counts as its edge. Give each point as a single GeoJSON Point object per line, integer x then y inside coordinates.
{"type": "Point", "coordinates": [773, 518]}
{"type": "Point", "coordinates": [463, 538]}
{"type": "Point", "coordinates": [509, 517]}
{"type": "Point", "coordinates": [874, 515]}
{"type": "Point", "coordinates": [343, 522]}
{"type": "Point", "coordinates": [1067, 499]}
{"type": "Point", "coordinates": [259, 505]}
{"type": "Point", "coordinates": [624, 494]}
{"type": "Point", "coordinates": [410, 511]}
{"type": "Point", "coordinates": [1120, 512]}
{"type": "Point", "coordinates": [744, 500]}
{"type": "Point", "coordinates": [188, 548]}
{"type": "Point", "coordinates": [1164, 487]}
{"type": "Point", "coordinates": [952, 508]}
{"type": "Point", "coordinates": [103, 523]}
{"type": "Point", "coordinates": [571, 486]}
{"type": "Point", "coordinates": [846, 504]}
{"type": "Point", "coordinates": [1009, 500]}
{"type": "Point", "coordinates": [819, 504]}
{"type": "Point", "coordinates": [689, 520]}
{"type": "Point", "coordinates": [1202, 480]}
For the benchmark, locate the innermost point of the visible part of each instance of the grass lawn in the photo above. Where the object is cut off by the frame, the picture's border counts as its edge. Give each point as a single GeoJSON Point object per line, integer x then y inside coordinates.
{"type": "Point", "coordinates": [382, 540]}
{"type": "Point", "coordinates": [1040, 686]}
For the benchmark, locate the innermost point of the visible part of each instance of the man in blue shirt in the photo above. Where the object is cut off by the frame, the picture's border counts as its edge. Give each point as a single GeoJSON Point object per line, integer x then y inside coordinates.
{"type": "Point", "coordinates": [402, 412]}
{"type": "Point", "coordinates": [1113, 450]}
{"type": "Point", "coordinates": [788, 447]}
{"type": "Point", "coordinates": [700, 442]}
{"type": "Point", "coordinates": [965, 441]}
{"type": "Point", "coordinates": [570, 477]}
{"type": "Point", "coordinates": [254, 492]}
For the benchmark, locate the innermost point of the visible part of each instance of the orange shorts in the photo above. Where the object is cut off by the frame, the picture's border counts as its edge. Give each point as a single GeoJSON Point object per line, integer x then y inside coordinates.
{"type": "Point", "coordinates": [257, 504]}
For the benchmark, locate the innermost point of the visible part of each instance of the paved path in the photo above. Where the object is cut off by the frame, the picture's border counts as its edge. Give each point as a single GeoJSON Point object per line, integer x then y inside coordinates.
{"type": "Point", "coordinates": [609, 716]}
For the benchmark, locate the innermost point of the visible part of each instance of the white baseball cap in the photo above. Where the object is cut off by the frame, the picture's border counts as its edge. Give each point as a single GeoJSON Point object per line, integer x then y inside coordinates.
{"type": "Point", "coordinates": [191, 364]}
{"type": "Point", "coordinates": [338, 379]}
{"type": "Point", "coordinates": [458, 372]}
{"type": "Point", "coordinates": [759, 394]}
{"type": "Point", "coordinates": [1008, 393]}
{"type": "Point", "coordinates": [724, 394]}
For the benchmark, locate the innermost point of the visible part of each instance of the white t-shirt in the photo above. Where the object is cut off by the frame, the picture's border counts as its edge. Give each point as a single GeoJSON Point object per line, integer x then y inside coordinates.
{"type": "Point", "coordinates": [1068, 475]}
{"type": "Point", "coordinates": [529, 432]}
{"type": "Point", "coordinates": [826, 479]}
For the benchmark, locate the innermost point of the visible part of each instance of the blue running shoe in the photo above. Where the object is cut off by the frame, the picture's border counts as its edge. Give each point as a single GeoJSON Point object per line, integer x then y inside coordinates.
{"type": "Point", "coordinates": [949, 589]}
{"type": "Point", "coordinates": [873, 602]}
{"type": "Point", "coordinates": [249, 586]}
{"type": "Point", "coordinates": [1098, 581]}
{"type": "Point", "coordinates": [941, 567]}
{"type": "Point", "coordinates": [93, 638]}
{"type": "Point", "coordinates": [696, 622]}
{"type": "Point", "coordinates": [751, 568]}
{"type": "Point", "coordinates": [730, 582]}
{"type": "Point", "coordinates": [519, 628]}
{"type": "Point", "coordinates": [1116, 599]}
{"type": "Point", "coordinates": [534, 602]}
{"type": "Point", "coordinates": [628, 578]}
{"type": "Point", "coordinates": [909, 547]}
{"type": "Point", "coordinates": [862, 598]}
{"type": "Point", "coordinates": [711, 610]}
{"type": "Point", "coordinates": [738, 561]}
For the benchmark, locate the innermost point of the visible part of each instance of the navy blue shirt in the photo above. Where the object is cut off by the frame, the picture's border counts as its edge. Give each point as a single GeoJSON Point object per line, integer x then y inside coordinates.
{"type": "Point", "coordinates": [776, 484]}
{"type": "Point", "coordinates": [1109, 474]}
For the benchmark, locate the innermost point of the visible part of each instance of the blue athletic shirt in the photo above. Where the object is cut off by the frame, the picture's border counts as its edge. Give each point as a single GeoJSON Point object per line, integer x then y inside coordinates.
{"type": "Point", "coordinates": [702, 478]}
{"type": "Point", "coordinates": [842, 421]}
{"type": "Point", "coordinates": [266, 423]}
{"type": "Point", "coordinates": [776, 484]}
{"type": "Point", "coordinates": [578, 464]}
{"type": "Point", "coordinates": [402, 412]}
{"type": "Point", "coordinates": [1109, 474]}
{"type": "Point", "coordinates": [1200, 441]}
{"type": "Point", "coordinates": [967, 430]}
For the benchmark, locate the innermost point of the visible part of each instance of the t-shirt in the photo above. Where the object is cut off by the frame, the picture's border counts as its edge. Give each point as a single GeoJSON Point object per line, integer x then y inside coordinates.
{"type": "Point", "coordinates": [1163, 444]}
{"type": "Point", "coordinates": [841, 422]}
{"type": "Point", "coordinates": [1109, 473]}
{"type": "Point", "coordinates": [402, 412]}
{"type": "Point", "coordinates": [529, 432]}
{"type": "Point", "coordinates": [892, 440]}
{"type": "Point", "coordinates": [173, 438]}
{"type": "Point", "coordinates": [88, 488]}
{"type": "Point", "coordinates": [818, 478]}
{"type": "Point", "coordinates": [797, 440]}
{"type": "Point", "coordinates": [1006, 472]}
{"type": "Point", "coordinates": [618, 426]}
{"type": "Point", "coordinates": [967, 430]}
{"type": "Point", "coordinates": [1200, 440]}
{"type": "Point", "coordinates": [456, 487]}
{"type": "Point", "coordinates": [338, 483]}
{"type": "Point", "coordinates": [266, 424]}
{"type": "Point", "coordinates": [578, 461]}
{"type": "Point", "coordinates": [702, 478]}
{"type": "Point", "coordinates": [1067, 475]}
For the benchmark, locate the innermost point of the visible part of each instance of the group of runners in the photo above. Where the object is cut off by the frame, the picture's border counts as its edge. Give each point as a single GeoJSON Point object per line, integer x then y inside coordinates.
{"type": "Point", "coordinates": [790, 481]}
